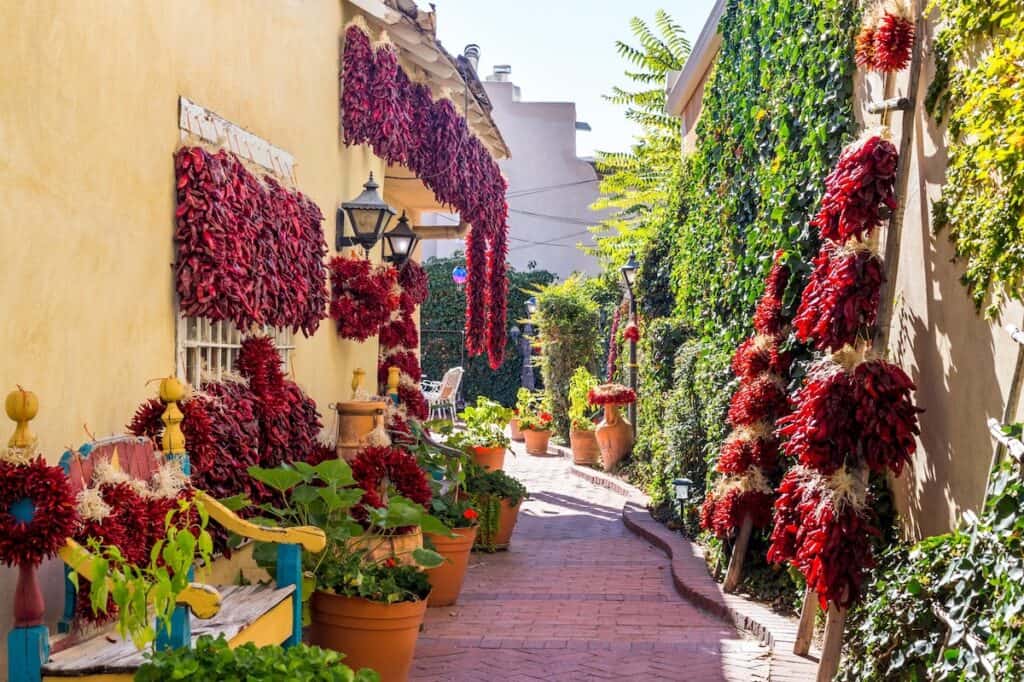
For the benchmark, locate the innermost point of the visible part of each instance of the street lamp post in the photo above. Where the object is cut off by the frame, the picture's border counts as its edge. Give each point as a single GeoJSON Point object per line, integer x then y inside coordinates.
{"type": "Point", "coordinates": [629, 271]}
{"type": "Point", "coordinates": [526, 376]}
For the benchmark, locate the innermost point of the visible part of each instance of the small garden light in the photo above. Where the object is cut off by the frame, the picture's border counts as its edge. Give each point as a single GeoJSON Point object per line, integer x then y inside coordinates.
{"type": "Point", "coordinates": [368, 215]}
{"type": "Point", "coordinates": [683, 487]}
{"type": "Point", "coordinates": [629, 271]}
{"type": "Point", "coordinates": [531, 306]}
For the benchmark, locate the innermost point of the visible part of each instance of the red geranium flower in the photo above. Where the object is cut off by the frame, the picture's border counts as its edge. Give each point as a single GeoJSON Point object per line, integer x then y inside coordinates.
{"type": "Point", "coordinates": [470, 514]}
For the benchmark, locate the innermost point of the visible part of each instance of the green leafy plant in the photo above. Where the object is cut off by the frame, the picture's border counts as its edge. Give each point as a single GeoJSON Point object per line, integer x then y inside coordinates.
{"type": "Point", "coordinates": [487, 489]}
{"type": "Point", "coordinates": [144, 594]}
{"type": "Point", "coordinates": [978, 91]}
{"type": "Point", "coordinates": [324, 496]}
{"type": "Point", "coordinates": [567, 319]}
{"type": "Point", "coordinates": [484, 426]}
{"type": "Point", "coordinates": [449, 503]}
{"type": "Point", "coordinates": [580, 411]}
{"type": "Point", "coordinates": [214, 659]}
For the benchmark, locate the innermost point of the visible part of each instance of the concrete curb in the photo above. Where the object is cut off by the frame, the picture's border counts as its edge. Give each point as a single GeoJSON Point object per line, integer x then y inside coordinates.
{"type": "Point", "coordinates": [693, 582]}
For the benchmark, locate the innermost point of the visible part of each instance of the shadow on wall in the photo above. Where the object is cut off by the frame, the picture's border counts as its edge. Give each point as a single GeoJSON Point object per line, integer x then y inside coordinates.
{"type": "Point", "coordinates": [948, 350]}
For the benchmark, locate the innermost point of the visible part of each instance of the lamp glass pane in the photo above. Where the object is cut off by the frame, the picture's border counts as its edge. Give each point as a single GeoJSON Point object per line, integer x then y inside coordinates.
{"type": "Point", "coordinates": [400, 246]}
{"type": "Point", "coordinates": [364, 221]}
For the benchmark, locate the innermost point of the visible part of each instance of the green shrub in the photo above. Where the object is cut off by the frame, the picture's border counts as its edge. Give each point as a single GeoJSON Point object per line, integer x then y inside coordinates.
{"type": "Point", "coordinates": [212, 659]}
{"type": "Point", "coordinates": [580, 409]}
{"type": "Point", "coordinates": [567, 319]}
{"type": "Point", "coordinates": [973, 578]}
{"type": "Point", "coordinates": [443, 318]}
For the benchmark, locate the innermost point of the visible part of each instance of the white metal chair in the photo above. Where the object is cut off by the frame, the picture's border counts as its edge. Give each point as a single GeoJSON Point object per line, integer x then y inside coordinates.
{"type": "Point", "coordinates": [441, 395]}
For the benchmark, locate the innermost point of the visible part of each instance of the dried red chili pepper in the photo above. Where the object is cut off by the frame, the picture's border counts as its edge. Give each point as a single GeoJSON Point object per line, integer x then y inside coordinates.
{"type": "Point", "coordinates": [857, 189]}
{"type": "Point", "coordinates": [762, 399]}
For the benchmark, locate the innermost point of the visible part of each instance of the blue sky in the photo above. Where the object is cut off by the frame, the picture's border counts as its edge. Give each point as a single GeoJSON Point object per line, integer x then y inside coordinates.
{"type": "Point", "coordinates": [562, 50]}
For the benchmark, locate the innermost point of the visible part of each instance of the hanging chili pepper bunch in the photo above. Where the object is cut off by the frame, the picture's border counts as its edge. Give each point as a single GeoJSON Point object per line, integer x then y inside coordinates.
{"type": "Point", "coordinates": [37, 511]}
{"type": "Point", "coordinates": [840, 302]}
{"type": "Point", "coordinates": [858, 189]}
{"type": "Point", "coordinates": [823, 528]}
{"type": "Point", "coordinates": [381, 470]}
{"type": "Point", "coordinates": [247, 251]}
{"type": "Point", "coordinates": [383, 108]}
{"type": "Point", "coordinates": [749, 457]}
{"type": "Point", "coordinates": [399, 339]}
{"type": "Point", "coordinates": [363, 296]}
{"type": "Point", "coordinates": [886, 37]}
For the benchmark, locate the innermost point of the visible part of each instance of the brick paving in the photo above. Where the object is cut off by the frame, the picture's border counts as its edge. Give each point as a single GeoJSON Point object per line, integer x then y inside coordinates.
{"type": "Point", "coordinates": [577, 597]}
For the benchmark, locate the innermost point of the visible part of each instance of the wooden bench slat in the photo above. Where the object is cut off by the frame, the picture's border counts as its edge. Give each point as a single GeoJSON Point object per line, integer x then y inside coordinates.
{"type": "Point", "coordinates": [107, 653]}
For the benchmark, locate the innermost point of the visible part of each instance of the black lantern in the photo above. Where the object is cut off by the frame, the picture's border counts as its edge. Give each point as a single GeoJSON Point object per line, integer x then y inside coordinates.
{"type": "Point", "coordinates": [401, 241]}
{"type": "Point", "coordinates": [629, 271]}
{"type": "Point", "coordinates": [368, 215]}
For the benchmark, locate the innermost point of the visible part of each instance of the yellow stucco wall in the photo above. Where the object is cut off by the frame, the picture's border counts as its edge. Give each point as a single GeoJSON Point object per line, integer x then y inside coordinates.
{"type": "Point", "coordinates": [88, 124]}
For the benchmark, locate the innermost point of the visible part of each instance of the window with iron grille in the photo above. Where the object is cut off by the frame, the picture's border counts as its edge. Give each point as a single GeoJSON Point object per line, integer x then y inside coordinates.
{"type": "Point", "coordinates": [208, 350]}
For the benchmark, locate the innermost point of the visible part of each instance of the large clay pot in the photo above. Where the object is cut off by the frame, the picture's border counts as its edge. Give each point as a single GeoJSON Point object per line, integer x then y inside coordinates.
{"type": "Point", "coordinates": [446, 579]}
{"type": "Point", "coordinates": [492, 459]}
{"type": "Point", "coordinates": [516, 434]}
{"type": "Point", "coordinates": [357, 419]}
{"type": "Point", "coordinates": [508, 514]}
{"type": "Point", "coordinates": [537, 441]}
{"type": "Point", "coordinates": [614, 436]}
{"type": "Point", "coordinates": [370, 634]}
{"type": "Point", "coordinates": [398, 547]}
{"type": "Point", "coordinates": [585, 449]}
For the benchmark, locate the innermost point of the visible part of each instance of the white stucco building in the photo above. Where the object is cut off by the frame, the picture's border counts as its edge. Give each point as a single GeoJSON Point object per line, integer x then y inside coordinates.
{"type": "Point", "coordinates": [550, 187]}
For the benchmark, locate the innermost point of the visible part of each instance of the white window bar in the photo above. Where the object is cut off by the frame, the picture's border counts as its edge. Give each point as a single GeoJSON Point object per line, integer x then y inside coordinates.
{"type": "Point", "coordinates": [208, 350]}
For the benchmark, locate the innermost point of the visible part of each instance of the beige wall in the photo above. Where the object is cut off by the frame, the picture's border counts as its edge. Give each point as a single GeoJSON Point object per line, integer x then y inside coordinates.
{"type": "Point", "coordinates": [88, 125]}
{"type": "Point", "coordinates": [963, 364]}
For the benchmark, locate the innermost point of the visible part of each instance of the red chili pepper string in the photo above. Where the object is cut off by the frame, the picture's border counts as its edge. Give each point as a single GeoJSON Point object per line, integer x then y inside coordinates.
{"type": "Point", "coordinates": [857, 189]}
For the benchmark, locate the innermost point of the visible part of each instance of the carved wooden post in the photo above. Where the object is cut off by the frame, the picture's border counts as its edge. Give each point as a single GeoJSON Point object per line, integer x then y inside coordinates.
{"type": "Point", "coordinates": [28, 644]}
{"type": "Point", "coordinates": [173, 443]}
{"type": "Point", "coordinates": [289, 572]}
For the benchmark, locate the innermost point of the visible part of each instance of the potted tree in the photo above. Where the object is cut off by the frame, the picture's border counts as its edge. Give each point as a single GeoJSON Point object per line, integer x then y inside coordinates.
{"type": "Point", "coordinates": [614, 433]}
{"type": "Point", "coordinates": [536, 423]}
{"type": "Point", "coordinates": [498, 497]}
{"type": "Point", "coordinates": [483, 436]}
{"type": "Point", "coordinates": [582, 438]}
{"type": "Point", "coordinates": [366, 605]}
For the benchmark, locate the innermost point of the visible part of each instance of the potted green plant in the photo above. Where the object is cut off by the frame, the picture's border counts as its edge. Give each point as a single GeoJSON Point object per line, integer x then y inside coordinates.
{"type": "Point", "coordinates": [483, 435]}
{"type": "Point", "coordinates": [498, 497]}
{"type": "Point", "coordinates": [365, 605]}
{"type": "Point", "coordinates": [536, 423]}
{"type": "Point", "coordinates": [214, 659]}
{"type": "Point", "coordinates": [523, 398]}
{"type": "Point", "coordinates": [582, 438]}
{"type": "Point", "coordinates": [453, 507]}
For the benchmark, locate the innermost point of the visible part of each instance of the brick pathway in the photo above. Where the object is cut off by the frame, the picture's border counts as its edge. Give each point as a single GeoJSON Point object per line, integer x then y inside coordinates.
{"type": "Point", "coordinates": [577, 597]}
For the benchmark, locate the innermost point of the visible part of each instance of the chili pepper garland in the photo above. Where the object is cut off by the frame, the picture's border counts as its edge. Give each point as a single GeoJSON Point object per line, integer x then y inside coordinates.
{"type": "Point", "coordinates": [37, 512]}
{"type": "Point", "coordinates": [749, 456]}
{"type": "Point", "coordinates": [379, 470]}
{"type": "Point", "coordinates": [853, 414]}
{"type": "Point", "coordinates": [400, 337]}
{"type": "Point", "coordinates": [248, 251]}
{"type": "Point", "coordinates": [399, 119]}
{"type": "Point", "coordinates": [363, 296]}
{"type": "Point", "coordinates": [886, 38]}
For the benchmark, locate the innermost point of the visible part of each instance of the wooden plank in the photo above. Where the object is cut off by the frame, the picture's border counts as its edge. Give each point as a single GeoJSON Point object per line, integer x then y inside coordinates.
{"type": "Point", "coordinates": [739, 552]}
{"type": "Point", "coordinates": [244, 605]}
{"type": "Point", "coordinates": [805, 630]}
{"type": "Point", "coordinates": [832, 648]}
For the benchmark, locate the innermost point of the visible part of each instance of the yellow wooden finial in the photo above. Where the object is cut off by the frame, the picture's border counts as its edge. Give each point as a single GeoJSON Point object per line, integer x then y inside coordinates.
{"type": "Point", "coordinates": [393, 380]}
{"type": "Point", "coordinates": [358, 376]}
{"type": "Point", "coordinates": [22, 406]}
{"type": "Point", "coordinates": [172, 391]}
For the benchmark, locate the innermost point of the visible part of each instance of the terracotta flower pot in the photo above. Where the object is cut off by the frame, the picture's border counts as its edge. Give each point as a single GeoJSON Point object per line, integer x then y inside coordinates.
{"type": "Point", "coordinates": [585, 449]}
{"type": "Point", "coordinates": [446, 579]}
{"type": "Point", "coordinates": [370, 634]}
{"type": "Point", "coordinates": [516, 434]}
{"type": "Point", "coordinates": [614, 436]}
{"type": "Point", "coordinates": [357, 420]}
{"type": "Point", "coordinates": [507, 517]}
{"type": "Point", "coordinates": [491, 459]}
{"type": "Point", "coordinates": [537, 441]}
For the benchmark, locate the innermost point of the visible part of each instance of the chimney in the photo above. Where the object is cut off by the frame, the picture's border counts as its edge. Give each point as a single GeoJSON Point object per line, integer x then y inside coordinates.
{"type": "Point", "coordinates": [472, 54]}
{"type": "Point", "coordinates": [502, 73]}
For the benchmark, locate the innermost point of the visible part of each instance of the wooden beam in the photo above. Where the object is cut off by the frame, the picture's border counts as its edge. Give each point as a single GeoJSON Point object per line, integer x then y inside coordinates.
{"type": "Point", "coordinates": [805, 630]}
{"type": "Point", "coordinates": [739, 552]}
{"type": "Point", "coordinates": [832, 648]}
